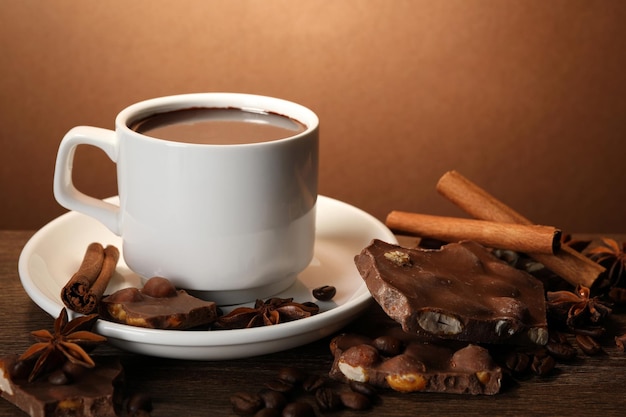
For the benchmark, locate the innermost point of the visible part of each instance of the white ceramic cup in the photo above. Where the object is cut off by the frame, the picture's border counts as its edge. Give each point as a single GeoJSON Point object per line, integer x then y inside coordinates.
{"type": "Point", "coordinates": [229, 223]}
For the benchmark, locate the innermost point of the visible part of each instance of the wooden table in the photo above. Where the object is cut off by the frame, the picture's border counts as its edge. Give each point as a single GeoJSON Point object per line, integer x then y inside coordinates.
{"type": "Point", "coordinates": [593, 386]}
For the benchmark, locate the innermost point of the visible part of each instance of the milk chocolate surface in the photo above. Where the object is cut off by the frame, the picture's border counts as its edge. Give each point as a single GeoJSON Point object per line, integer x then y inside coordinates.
{"type": "Point", "coordinates": [460, 292]}
{"type": "Point", "coordinates": [417, 366]}
{"type": "Point", "coordinates": [93, 393]}
{"type": "Point", "coordinates": [158, 306]}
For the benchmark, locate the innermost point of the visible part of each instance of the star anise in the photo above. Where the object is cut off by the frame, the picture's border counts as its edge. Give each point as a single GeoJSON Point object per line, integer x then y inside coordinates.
{"type": "Point", "coordinates": [611, 255]}
{"type": "Point", "coordinates": [579, 245]}
{"type": "Point", "coordinates": [66, 342]}
{"type": "Point", "coordinates": [266, 313]}
{"type": "Point", "coordinates": [577, 310]}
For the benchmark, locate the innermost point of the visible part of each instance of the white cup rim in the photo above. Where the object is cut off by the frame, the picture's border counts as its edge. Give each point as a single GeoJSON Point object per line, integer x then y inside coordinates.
{"type": "Point", "coordinates": [244, 101]}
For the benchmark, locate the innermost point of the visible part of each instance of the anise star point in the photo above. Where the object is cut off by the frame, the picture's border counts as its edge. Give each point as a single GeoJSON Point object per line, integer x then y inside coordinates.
{"type": "Point", "coordinates": [612, 255]}
{"type": "Point", "coordinates": [65, 343]}
{"type": "Point", "coordinates": [267, 313]}
{"type": "Point", "coordinates": [578, 309]}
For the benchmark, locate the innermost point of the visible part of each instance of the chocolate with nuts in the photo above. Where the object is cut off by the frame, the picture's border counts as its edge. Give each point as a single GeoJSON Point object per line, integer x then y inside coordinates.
{"type": "Point", "coordinates": [92, 393]}
{"type": "Point", "coordinates": [420, 366]}
{"type": "Point", "coordinates": [459, 292]}
{"type": "Point", "coordinates": [158, 305]}
{"type": "Point", "coordinates": [57, 377]}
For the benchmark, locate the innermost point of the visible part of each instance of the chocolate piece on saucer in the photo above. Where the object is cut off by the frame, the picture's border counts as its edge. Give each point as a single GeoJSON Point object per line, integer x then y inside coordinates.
{"type": "Point", "coordinates": [414, 365]}
{"type": "Point", "coordinates": [158, 305]}
{"type": "Point", "coordinates": [459, 292]}
{"type": "Point", "coordinates": [88, 392]}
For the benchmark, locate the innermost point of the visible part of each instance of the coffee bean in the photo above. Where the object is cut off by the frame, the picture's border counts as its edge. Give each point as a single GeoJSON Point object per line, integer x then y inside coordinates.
{"type": "Point", "coordinates": [588, 344]}
{"type": "Point", "coordinates": [517, 362]}
{"type": "Point", "coordinates": [542, 363]}
{"type": "Point", "coordinates": [246, 402]}
{"type": "Point", "coordinates": [279, 385]}
{"type": "Point", "coordinates": [327, 399]}
{"type": "Point", "coordinates": [563, 351]}
{"type": "Point", "coordinates": [292, 375]}
{"type": "Point", "coordinates": [355, 400]}
{"type": "Point", "coordinates": [324, 293]}
{"type": "Point", "coordinates": [298, 409]}
{"type": "Point", "coordinates": [139, 401]}
{"type": "Point", "coordinates": [363, 388]}
{"type": "Point", "coordinates": [313, 382]}
{"type": "Point", "coordinates": [273, 399]}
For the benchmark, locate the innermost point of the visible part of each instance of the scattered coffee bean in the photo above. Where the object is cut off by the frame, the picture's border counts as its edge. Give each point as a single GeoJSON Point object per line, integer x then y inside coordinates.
{"type": "Point", "coordinates": [561, 349]}
{"type": "Point", "coordinates": [327, 399]}
{"type": "Point", "coordinates": [620, 342]}
{"type": "Point", "coordinates": [292, 375]}
{"type": "Point", "coordinates": [279, 385]}
{"type": "Point", "coordinates": [355, 400]}
{"type": "Point", "coordinates": [517, 362]}
{"type": "Point", "coordinates": [139, 401]}
{"type": "Point", "coordinates": [273, 399]}
{"type": "Point", "coordinates": [363, 388]}
{"type": "Point", "coordinates": [324, 293]}
{"type": "Point", "coordinates": [588, 344]}
{"type": "Point", "coordinates": [542, 363]}
{"type": "Point", "coordinates": [313, 382]}
{"type": "Point", "coordinates": [298, 409]}
{"type": "Point", "coordinates": [246, 403]}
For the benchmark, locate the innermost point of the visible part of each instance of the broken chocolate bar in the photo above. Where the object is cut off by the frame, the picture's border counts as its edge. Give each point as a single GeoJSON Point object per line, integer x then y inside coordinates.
{"type": "Point", "coordinates": [158, 305]}
{"type": "Point", "coordinates": [460, 292]}
{"type": "Point", "coordinates": [93, 392]}
{"type": "Point", "coordinates": [415, 366]}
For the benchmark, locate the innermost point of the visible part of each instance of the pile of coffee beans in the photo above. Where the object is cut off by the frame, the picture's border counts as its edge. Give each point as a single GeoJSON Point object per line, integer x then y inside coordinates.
{"type": "Point", "coordinates": [295, 393]}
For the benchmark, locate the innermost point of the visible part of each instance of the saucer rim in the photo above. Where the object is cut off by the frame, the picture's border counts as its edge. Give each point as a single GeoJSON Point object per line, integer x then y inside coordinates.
{"type": "Point", "coordinates": [133, 338]}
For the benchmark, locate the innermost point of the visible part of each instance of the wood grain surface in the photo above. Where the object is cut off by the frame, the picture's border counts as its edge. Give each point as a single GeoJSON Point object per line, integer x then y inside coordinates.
{"type": "Point", "coordinates": [591, 386]}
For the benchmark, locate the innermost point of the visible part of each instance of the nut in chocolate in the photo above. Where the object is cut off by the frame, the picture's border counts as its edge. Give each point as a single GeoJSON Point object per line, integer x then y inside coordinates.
{"type": "Point", "coordinates": [459, 292]}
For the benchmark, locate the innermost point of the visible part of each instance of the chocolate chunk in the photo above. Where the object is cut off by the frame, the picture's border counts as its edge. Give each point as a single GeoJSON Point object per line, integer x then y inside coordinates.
{"type": "Point", "coordinates": [93, 393]}
{"type": "Point", "coordinates": [159, 306]}
{"type": "Point", "coordinates": [459, 292]}
{"type": "Point", "coordinates": [421, 366]}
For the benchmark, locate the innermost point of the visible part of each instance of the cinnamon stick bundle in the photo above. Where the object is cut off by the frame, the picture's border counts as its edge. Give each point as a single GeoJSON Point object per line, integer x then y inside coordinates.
{"type": "Point", "coordinates": [85, 289]}
{"type": "Point", "coordinates": [569, 264]}
{"type": "Point", "coordinates": [516, 237]}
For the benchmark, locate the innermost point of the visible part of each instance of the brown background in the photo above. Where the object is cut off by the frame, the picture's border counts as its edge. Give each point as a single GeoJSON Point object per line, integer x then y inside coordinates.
{"type": "Point", "coordinates": [526, 98]}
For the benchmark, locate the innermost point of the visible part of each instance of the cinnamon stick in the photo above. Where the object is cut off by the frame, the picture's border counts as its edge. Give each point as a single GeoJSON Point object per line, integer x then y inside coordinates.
{"type": "Point", "coordinates": [569, 264]}
{"type": "Point", "coordinates": [85, 289]}
{"type": "Point", "coordinates": [516, 237]}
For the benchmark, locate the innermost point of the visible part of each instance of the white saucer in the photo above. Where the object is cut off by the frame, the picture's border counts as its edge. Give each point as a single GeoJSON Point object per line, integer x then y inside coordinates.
{"type": "Point", "coordinates": [54, 253]}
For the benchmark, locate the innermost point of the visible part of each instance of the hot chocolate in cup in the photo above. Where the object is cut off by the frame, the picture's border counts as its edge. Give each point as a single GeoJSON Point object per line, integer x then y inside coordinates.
{"type": "Point", "coordinates": [217, 191]}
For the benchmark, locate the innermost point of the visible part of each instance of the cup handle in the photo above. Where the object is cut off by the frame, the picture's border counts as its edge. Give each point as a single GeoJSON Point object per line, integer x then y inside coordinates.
{"type": "Point", "coordinates": [64, 190]}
